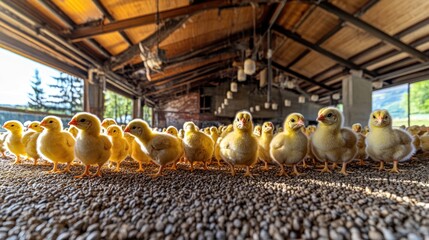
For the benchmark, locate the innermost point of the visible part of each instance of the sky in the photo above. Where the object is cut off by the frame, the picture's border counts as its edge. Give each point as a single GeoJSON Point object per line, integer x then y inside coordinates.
{"type": "Point", "coordinates": [16, 74]}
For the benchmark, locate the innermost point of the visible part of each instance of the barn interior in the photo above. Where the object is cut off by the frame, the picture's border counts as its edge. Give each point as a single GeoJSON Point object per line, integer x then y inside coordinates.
{"type": "Point", "coordinates": [202, 61]}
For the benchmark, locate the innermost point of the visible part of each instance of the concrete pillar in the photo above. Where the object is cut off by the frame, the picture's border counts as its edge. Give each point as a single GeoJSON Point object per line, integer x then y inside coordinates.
{"type": "Point", "coordinates": [137, 108]}
{"type": "Point", "coordinates": [94, 96]}
{"type": "Point", "coordinates": [357, 99]}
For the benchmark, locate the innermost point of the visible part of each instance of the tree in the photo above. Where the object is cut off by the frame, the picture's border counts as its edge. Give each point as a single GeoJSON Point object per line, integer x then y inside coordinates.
{"type": "Point", "coordinates": [419, 97]}
{"type": "Point", "coordinates": [117, 107]}
{"type": "Point", "coordinates": [37, 97]}
{"type": "Point", "coordinates": [68, 100]}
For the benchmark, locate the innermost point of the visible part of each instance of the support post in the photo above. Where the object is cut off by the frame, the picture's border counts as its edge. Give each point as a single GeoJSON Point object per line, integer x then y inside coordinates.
{"type": "Point", "coordinates": [94, 96]}
{"type": "Point", "coordinates": [137, 108]}
{"type": "Point", "coordinates": [357, 99]}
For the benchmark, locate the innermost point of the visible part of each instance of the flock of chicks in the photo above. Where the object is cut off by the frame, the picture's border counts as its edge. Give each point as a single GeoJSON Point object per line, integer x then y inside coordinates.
{"type": "Point", "coordinates": [91, 142]}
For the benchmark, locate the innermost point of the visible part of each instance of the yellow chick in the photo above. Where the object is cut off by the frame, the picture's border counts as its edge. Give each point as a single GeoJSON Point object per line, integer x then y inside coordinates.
{"type": "Point", "coordinates": [206, 131]}
{"type": "Point", "coordinates": [30, 140]}
{"type": "Point", "coordinates": [55, 144]}
{"type": "Point", "coordinates": [2, 144]}
{"type": "Point", "coordinates": [162, 148]}
{"type": "Point", "coordinates": [107, 122]}
{"type": "Point", "coordinates": [331, 142]}
{"type": "Point", "coordinates": [138, 153]}
{"type": "Point", "coordinates": [267, 132]}
{"type": "Point", "coordinates": [228, 129]}
{"type": "Point", "coordinates": [130, 139]}
{"type": "Point", "coordinates": [73, 130]}
{"type": "Point", "coordinates": [365, 130]}
{"type": "Point", "coordinates": [424, 141]}
{"type": "Point", "coordinates": [257, 131]}
{"type": "Point", "coordinates": [181, 133]}
{"type": "Point", "coordinates": [120, 147]}
{"type": "Point", "coordinates": [14, 139]}
{"type": "Point", "coordinates": [361, 155]}
{"type": "Point", "coordinates": [240, 147]}
{"type": "Point", "coordinates": [173, 131]}
{"type": "Point", "coordinates": [92, 147]}
{"type": "Point", "coordinates": [414, 132]}
{"type": "Point", "coordinates": [385, 144]}
{"type": "Point", "coordinates": [290, 147]}
{"type": "Point", "coordinates": [198, 146]}
{"type": "Point", "coordinates": [309, 130]}
{"type": "Point", "coordinates": [214, 134]}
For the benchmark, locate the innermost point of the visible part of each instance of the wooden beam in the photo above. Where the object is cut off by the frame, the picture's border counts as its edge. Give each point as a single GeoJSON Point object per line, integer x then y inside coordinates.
{"type": "Point", "coordinates": [372, 30]}
{"type": "Point", "coordinates": [153, 39]}
{"type": "Point", "coordinates": [106, 13]}
{"type": "Point", "coordinates": [336, 58]}
{"type": "Point", "coordinates": [85, 32]}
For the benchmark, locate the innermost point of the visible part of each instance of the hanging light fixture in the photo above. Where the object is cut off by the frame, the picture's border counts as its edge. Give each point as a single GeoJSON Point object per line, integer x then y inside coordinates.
{"type": "Point", "coordinates": [274, 106]}
{"type": "Point", "coordinates": [263, 78]}
{"type": "Point", "coordinates": [251, 109]}
{"type": "Point", "coordinates": [288, 103]}
{"type": "Point", "coordinates": [249, 66]}
{"type": "Point", "coordinates": [336, 96]}
{"type": "Point", "coordinates": [257, 108]}
{"type": "Point", "coordinates": [215, 112]}
{"type": "Point", "coordinates": [219, 109]}
{"type": "Point", "coordinates": [314, 98]}
{"type": "Point", "coordinates": [225, 101]}
{"type": "Point", "coordinates": [241, 76]}
{"type": "Point", "coordinates": [290, 84]}
{"type": "Point", "coordinates": [301, 99]}
{"type": "Point", "coordinates": [229, 95]}
{"type": "Point", "coordinates": [222, 105]}
{"type": "Point", "coordinates": [267, 105]}
{"type": "Point", "coordinates": [234, 87]}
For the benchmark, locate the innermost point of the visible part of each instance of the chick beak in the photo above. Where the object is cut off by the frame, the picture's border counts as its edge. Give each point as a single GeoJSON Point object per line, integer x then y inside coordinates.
{"type": "Point", "coordinates": [42, 124]}
{"type": "Point", "coordinates": [73, 122]}
{"type": "Point", "coordinates": [127, 129]}
{"type": "Point", "coordinates": [379, 120]}
{"type": "Point", "coordinates": [300, 123]}
{"type": "Point", "coordinates": [4, 126]}
{"type": "Point", "coordinates": [321, 118]}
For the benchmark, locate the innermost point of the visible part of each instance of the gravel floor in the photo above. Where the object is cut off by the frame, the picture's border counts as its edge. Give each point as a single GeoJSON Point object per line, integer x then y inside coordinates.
{"type": "Point", "coordinates": [214, 205]}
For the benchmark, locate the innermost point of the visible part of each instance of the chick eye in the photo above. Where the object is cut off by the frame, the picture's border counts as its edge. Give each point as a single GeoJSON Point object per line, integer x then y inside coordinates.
{"type": "Point", "coordinates": [134, 127]}
{"type": "Point", "coordinates": [35, 125]}
{"type": "Point", "coordinates": [12, 125]}
{"type": "Point", "coordinates": [293, 120]}
{"type": "Point", "coordinates": [51, 121]}
{"type": "Point", "coordinates": [114, 130]}
{"type": "Point", "coordinates": [330, 115]}
{"type": "Point", "coordinates": [385, 117]}
{"type": "Point", "coordinates": [82, 120]}
{"type": "Point", "coordinates": [238, 119]}
{"type": "Point", "coordinates": [373, 116]}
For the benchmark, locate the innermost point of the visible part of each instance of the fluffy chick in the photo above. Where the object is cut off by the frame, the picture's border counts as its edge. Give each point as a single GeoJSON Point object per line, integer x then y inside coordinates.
{"type": "Point", "coordinates": [138, 153]}
{"type": "Point", "coordinates": [107, 122]}
{"type": "Point", "coordinates": [55, 144]}
{"type": "Point", "coordinates": [2, 144]}
{"type": "Point", "coordinates": [92, 147]}
{"type": "Point", "coordinates": [30, 140]}
{"type": "Point", "coordinates": [385, 144]}
{"type": "Point", "coordinates": [361, 155]}
{"type": "Point", "coordinates": [173, 131]}
{"type": "Point", "coordinates": [198, 146]}
{"type": "Point", "coordinates": [414, 131]}
{"type": "Point", "coordinates": [331, 142]}
{"type": "Point", "coordinates": [73, 130]}
{"type": "Point", "coordinates": [162, 148]}
{"type": "Point", "coordinates": [424, 141]}
{"type": "Point", "coordinates": [290, 146]}
{"type": "Point", "coordinates": [240, 147]}
{"type": "Point", "coordinates": [120, 147]}
{"type": "Point", "coordinates": [267, 132]}
{"type": "Point", "coordinates": [181, 133]}
{"type": "Point", "coordinates": [14, 139]}
{"type": "Point", "coordinates": [257, 131]}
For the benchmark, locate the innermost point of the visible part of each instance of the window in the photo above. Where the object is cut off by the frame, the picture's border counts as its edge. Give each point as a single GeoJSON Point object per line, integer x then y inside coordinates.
{"type": "Point", "coordinates": [395, 100]}
{"type": "Point", "coordinates": [205, 104]}
{"type": "Point", "coordinates": [118, 107]}
{"type": "Point", "coordinates": [147, 114]}
{"type": "Point", "coordinates": [419, 103]}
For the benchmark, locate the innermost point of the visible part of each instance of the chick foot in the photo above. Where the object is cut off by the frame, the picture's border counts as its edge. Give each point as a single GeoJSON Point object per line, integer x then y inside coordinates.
{"type": "Point", "coordinates": [326, 169]}
{"type": "Point", "coordinates": [159, 173]}
{"type": "Point", "coordinates": [17, 161]}
{"type": "Point", "coordinates": [361, 162]}
{"type": "Point", "coordinates": [98, 173]}
{"type": "Point", "coordinates": [381, 167]}
{"type": "Point", "coordinates": [205, 166]}
{"type": "Point", "coordinates": [282, 171]}
{"type": "Point", "coordinates": [395, 167]}
{"type": "Point", "coordinates": [248, 173]}
{"type": "Point", "coordinates": [174, 167]}
{"type": "Point", "coordinates": [295, 171]}
{"type": "Point", "coordinates": [232, 170]}
{"type": "Point", "coordinates": [344, 170]}
{"type": "Point", "coordinates": [67, 169]}
{"type": "Point", "coordinates": [192, 166]}
{"type": "Point", "coordinates": [140, 169]}
{"type": "Point", "coordinates": [85, 173]}
{"type": "Point", "coordinates": [304, 164]}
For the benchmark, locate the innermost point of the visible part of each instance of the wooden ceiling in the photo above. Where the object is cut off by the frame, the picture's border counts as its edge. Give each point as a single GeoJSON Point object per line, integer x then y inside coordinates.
{"type": "Point", "coordinates": [316, 42]}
